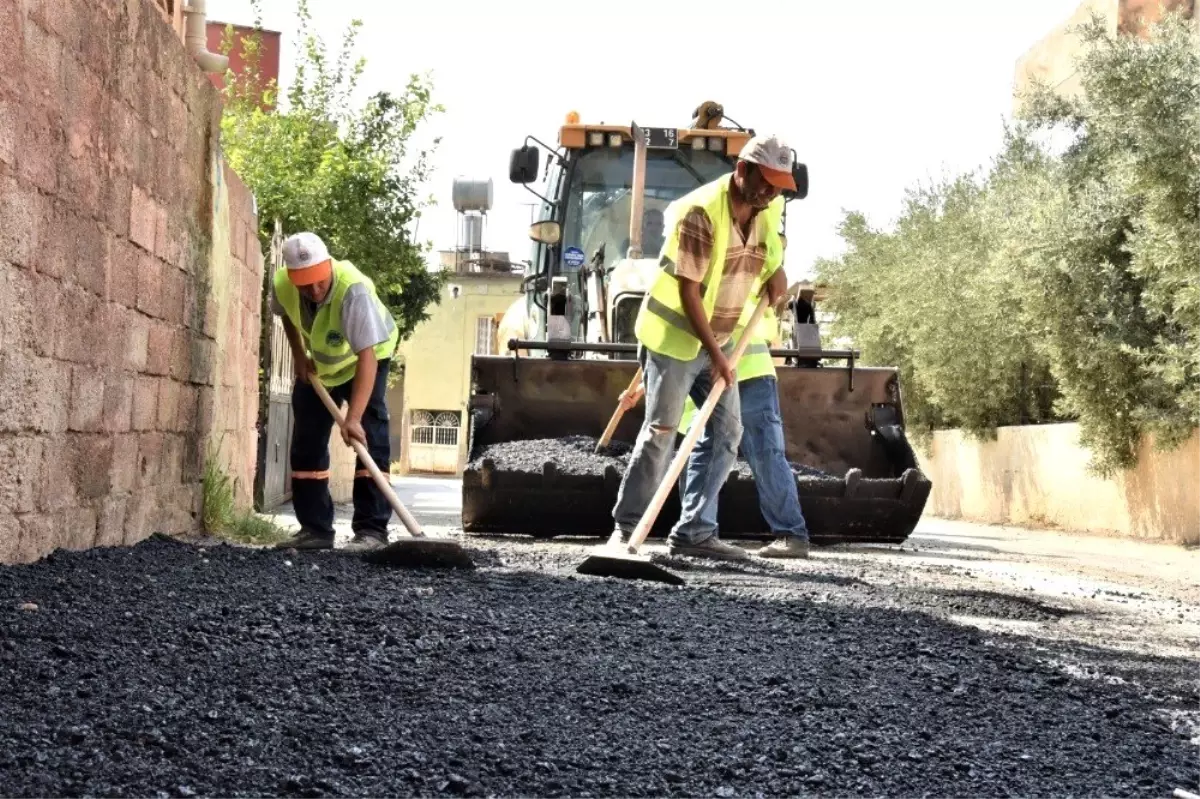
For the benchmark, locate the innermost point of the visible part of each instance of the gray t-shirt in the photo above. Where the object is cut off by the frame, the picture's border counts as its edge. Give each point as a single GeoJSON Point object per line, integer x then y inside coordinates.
{"type": "Point", "coordinates": [365, 323]}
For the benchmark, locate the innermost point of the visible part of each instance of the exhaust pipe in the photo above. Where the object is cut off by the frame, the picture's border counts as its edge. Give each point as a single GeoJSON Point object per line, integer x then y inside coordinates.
{"type": "Point", "coordinates": [195, 37]}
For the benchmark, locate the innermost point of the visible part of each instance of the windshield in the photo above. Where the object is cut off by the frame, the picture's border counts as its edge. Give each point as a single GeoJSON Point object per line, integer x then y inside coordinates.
{"type": "Point", "coordinates": [599, 197]}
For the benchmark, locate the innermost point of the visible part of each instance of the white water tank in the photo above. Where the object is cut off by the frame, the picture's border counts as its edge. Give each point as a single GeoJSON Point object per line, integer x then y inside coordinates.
{"type": "Point", "coordinates": [472, 195]}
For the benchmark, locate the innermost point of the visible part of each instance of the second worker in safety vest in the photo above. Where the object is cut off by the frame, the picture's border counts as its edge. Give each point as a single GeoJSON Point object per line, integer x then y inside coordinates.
{"type": "Point", "coordinates": [719, 243]}
{"type": "Point", "coordinates": [342, 334]}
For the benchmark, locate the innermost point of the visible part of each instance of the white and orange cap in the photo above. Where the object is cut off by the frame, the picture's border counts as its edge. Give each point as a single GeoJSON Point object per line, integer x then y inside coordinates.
{"type": "Point", "coordinates": [307, 259]}
{"type": "Point", "coordinates": [774, 158]}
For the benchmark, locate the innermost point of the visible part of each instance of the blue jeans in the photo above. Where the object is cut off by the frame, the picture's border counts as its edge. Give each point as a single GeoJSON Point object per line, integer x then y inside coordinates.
{"type": "Point", "coordinates": [668, 383]}
{"type": "Point", "coordinates": [763, 446]}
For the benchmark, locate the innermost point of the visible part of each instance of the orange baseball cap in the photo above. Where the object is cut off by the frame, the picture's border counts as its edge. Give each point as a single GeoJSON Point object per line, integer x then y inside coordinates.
{"type": "Point", "coordinates": [773, 157]}
{"type": "Point", "coordinates": [307, 259]}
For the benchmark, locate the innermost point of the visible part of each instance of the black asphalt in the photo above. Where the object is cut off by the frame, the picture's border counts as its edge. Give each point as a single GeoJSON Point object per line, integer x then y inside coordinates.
{"type": "Point", "coordinates": [172, 670]}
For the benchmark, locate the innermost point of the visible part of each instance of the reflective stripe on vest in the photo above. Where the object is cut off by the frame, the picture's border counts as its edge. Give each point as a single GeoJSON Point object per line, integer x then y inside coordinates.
{"type": "Point", "coordinates": [662, 325]}
{"type": "Point", "coordinates": [335, 361]}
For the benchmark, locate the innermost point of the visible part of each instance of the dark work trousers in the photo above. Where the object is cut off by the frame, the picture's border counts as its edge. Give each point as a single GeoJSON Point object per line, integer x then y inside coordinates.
{"type": "Point", "coordinates": [310, 459]}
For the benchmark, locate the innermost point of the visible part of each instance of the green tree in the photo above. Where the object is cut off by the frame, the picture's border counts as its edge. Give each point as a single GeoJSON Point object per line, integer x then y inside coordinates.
{"type": "Point", "coordinates": [1107, 237]}
{"type": "Point", "coordinates": [346, 173]}
{"type": "Point", "coordinates": [1062, 283]}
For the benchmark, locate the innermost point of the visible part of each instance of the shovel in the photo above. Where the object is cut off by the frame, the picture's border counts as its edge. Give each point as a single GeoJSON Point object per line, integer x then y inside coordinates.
{"type": "Point", "coordinates": [419, 551]}
{"type": "Point", "coordinates": [613, 563]}
{"type": "Point", "coordinates": [606, 437]}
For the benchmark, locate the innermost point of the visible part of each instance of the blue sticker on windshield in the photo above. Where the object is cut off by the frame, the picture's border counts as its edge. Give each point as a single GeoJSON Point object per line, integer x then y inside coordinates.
{"type": "Point", "coordinates": [573, 257]}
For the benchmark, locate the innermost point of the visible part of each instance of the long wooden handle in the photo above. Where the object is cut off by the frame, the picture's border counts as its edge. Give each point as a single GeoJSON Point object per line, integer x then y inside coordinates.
{"type": "Point", "coordinates": [384, 484]}
{"type": "Point", "coordinates": [619, 412]}
{"type": "Point", "coordinates": [689, 442]}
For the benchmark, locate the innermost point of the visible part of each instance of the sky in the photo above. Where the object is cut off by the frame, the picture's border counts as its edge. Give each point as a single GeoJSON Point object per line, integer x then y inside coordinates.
{"type": "Point", "coordinates": [875, 96]}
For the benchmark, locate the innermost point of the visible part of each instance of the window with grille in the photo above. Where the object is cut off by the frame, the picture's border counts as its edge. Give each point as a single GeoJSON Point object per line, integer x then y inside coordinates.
{"type": "Point", "coordinates": [435, 428]}
{"type": "Point", "coordinates": [485, 336]}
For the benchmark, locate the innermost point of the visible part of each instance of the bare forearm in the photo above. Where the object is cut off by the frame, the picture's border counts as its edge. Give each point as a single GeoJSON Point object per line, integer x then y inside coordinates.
{"type": "Point", "coordinates": [693, 308]}
{"type": "Point", "coordinates": [363, 385]}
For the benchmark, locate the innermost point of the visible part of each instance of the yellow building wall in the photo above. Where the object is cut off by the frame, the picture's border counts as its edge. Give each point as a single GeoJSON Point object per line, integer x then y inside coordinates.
{"type": "Point", "coordinates": [437, 357]}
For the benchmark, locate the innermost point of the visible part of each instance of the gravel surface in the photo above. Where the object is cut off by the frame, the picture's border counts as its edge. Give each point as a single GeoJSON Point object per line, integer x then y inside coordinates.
{"type": "Point", "coordinates": [175, 670]}
{"type": "Point", "coordinates": [576, 455]}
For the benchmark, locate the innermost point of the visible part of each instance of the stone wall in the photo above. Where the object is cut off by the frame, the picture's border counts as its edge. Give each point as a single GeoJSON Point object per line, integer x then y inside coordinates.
{"type": "Point", "coordinates": [1037, 476]}
{"type": "Point", "coordinates": [124, 301]}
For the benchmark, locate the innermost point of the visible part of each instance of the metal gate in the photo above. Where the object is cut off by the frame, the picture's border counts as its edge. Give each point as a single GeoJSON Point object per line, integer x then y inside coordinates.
{"type": "Point", "coordinates": [277, 474]}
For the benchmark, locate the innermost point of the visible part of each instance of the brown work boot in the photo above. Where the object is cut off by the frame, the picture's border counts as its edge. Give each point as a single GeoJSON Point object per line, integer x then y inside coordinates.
{"type": "Point", "coordinates": [306, 540]}
{"type": "Point", "coordinates": [366, 542]}
{"type": "Point", "coordinates": [785, 546]}
{"type": "Point", "coordinates": [711, 547]}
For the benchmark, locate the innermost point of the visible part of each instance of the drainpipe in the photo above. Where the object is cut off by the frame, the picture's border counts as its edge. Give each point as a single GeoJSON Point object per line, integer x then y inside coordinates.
{"type": "Point", "coordinates": [195, 37]}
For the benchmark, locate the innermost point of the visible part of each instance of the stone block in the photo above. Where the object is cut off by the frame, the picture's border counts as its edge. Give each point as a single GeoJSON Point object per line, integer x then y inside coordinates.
{"type": "Point", "coordinates": [78, 528]}
{"type": "Point", "coordinates": [92, 459]}
{"type": "Point", "coordinates": [87, 400]}
{"type": "Point", "coordinates": [118, 193]}
{"type": "Point", "coordinates": [90, 257]}
{"type": "Point", "coordinates": [12, 58]}
{"type": "Point", "coordinates": [140, 512]}
{"type": "Point", "coordinates": [206, 411]}
{"type": "Point", "coordinates": [145, 403]}
{"type": "Point", "coordinates": [110, 527]}
{"type": "Point", "coordinates": [42, 141]}
{"type": "Point", "coordinates": [173, 282]}
{"type": "Point", "coordinates": [137, 340]}
{"type": "Point", "coordinates": [24, 310]}
{"type": "Point", "coordinates": [181, 355]}
{"type": "Point", "coordinates": [193, 457]}
{"type": "Point", "coordinates": [44, 401]}
{"type": "Point", "coordinates": [21, 220]}
{"type": "Point", "coordinates": [150, 454]}
{"type": "Point", "coordinates": [43, 53]}
{"type": "Point", "coordinates": [10, 533]}
{"type": "Point", "coordinates": [64, 20]}
{"type": "Point", "coordinates": [20, 459]}
{"type": "Point", "coordinates": [168, 404]}
{"type": "Point", "coordinates": [151, 289]}
{"type": "Point", "coordinates": [10, 113]}
{"type": "Point", "coordinates": [124, 462]}
{"type": "Point", "coordinates": [143, 218]}
{"type": "Point", "coordinates": [39, 537]}
{"type": "Point", "coordinates": [189, 403]}
{"type": "Point", "coordinates": [124, 134]}
{"type": "Point", "coordinates": [48, 292]}
{"type": "Point", "coordinates": [161, 225]}
{"type": "Point", "coordinates": [81, 174]}
{"type": "Point", "coordinates": [203, 360]}
{"type": "Point", "coordinates": [79, 312]}
{"type": "Point", "coordinates": [172, 460]}
{"type": "Point", "coordinates": [118, 403]}
{"type": "Point", "coordinates": [123, 260]}
{"type": "Point", "coordinates": [56, 478]}
{"type": "Point", "coordinates": [58, 228]}
{"type": "Point", "coordinates": [158, 354]}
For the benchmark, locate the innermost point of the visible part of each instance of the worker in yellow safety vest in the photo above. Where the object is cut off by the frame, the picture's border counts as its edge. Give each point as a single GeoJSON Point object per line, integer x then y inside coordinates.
{"type": "Point", "coordinates": [342, 334]}
{"type": "Point", "coordinates": [718, 238]}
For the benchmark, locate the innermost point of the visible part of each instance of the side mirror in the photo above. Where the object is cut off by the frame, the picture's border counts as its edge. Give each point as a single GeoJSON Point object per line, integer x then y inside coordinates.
{"type": "Point", "coordinates": [800, 175]}
{"type": "Point", "coordinates": [547, 232]}
{"type": "Point", "coordinates": [523, 165]}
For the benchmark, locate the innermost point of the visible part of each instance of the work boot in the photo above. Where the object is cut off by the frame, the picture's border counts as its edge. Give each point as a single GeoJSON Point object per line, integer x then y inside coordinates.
{"type": "Point", "coordinates": [785, 546]}
{"type": "Point", "coordinates": [711, 547]}
{"type": "Point", "coordinates": [366, 542]}
{"type": "Point", "coordinates": [306, 540]}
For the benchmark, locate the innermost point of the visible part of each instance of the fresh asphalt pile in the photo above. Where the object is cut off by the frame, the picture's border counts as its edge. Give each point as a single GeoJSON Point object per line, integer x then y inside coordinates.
{"type": "Point", "coordinates": [576, 455]}
{"type": "Point", "coordinates": [174, 670]}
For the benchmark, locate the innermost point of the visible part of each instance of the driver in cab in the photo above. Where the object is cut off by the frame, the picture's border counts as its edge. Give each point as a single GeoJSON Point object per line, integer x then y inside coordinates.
{"type": "Point", "coordinates": [652, 234]}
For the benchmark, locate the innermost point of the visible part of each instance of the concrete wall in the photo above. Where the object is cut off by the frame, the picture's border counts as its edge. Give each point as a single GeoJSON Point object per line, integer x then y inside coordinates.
{"type": "Point", "coordinates": [1037, 476]}
{"type": "Point", "coordinates": [129, 277]}
{"type": "Point", "coordinates": [437, 357]}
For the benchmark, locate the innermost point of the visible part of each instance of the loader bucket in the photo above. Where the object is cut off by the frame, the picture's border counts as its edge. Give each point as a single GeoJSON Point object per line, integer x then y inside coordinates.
{"type": "Point", "coordinates": [845, 422]}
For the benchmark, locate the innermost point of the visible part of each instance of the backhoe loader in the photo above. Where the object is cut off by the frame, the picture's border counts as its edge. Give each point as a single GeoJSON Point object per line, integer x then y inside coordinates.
{"type": "Point", "coordinates": [596, 246]}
